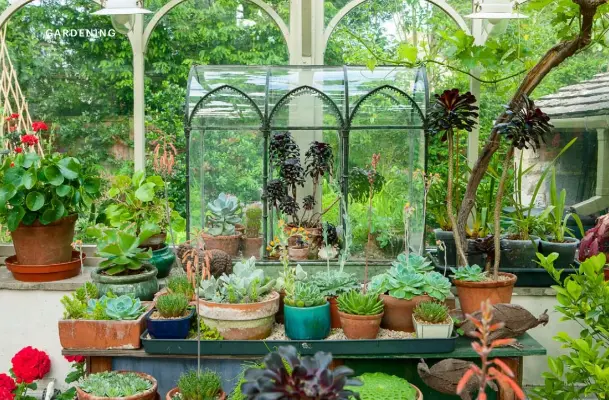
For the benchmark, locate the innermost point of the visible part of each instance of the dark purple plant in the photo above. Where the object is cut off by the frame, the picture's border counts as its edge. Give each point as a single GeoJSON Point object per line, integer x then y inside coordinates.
{"type": "Point", "coordinates": [452, 111]}
{"type": "Point", "coordinates": [319, 161]}
{"type": "Point", "coordinates": [526, 127]}
{"type": "Point", "coordinates": [308, 379]}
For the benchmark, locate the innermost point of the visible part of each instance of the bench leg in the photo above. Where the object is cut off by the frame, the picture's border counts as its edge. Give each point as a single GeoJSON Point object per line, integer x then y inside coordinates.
{"type": "Point", "coordinates": [516, 365]}
{"type": "Point", "coordinates": [98, 364]}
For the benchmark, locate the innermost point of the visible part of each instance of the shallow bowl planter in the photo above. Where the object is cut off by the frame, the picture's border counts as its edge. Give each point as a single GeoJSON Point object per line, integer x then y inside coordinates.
{"type": "Point", "coordinates": [81, 334]}
{"type": "Point", "coordinates": [298, 253]}
{"type": "Point", "coordinates": [143, 285]}
{"type": "Point", "coordinates": [433, 331]}
{"type": "Point", "coordinates": [519, 253]}
{"type": "Point", "coordinates": [45, 273]}
{"type": "Point", "coordinates": [361, 326]}
{"type": "Point", "coordinates": [252, 321]}
{"type": "Point", "coordinates": [174, 328]}
{"type": "Point", "coordinates": [163, 260]}
{"type": "Point", "coordinates": [472, 294]}
{"type": "Point", "coordinates": [173, 392]}
{"type": "Point", "coordinates": [398, 312]}
{"type": "Point", "coordinates": [252, 247]}
{"type": "Point", "coordinates": [566, 251]}
{"type": "Point", "coordinates": [307, 323]}
{"type": "Point", "coordinates": [149, 394]}
{"type": "Point", "coordinates": [228, 244]}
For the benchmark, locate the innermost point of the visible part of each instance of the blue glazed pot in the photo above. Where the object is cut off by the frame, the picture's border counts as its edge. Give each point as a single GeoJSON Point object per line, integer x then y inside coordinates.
{"type": "Point", "coordinates": [163, 259]}
{"type": "Point", "coordinates": [169, 328]}
{"type": "Point", "coordinates": [307, 323]}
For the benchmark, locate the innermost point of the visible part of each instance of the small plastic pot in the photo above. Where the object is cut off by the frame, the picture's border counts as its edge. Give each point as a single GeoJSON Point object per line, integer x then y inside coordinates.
{"type": "Point", "coordinates": [176, 328]}
{"type": "Point", "coordinates": [307, 323]}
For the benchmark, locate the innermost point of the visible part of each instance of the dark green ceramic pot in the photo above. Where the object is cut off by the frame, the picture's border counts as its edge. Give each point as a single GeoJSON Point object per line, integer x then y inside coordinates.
{"type": "Point", "coordinates": [143, 286]}
{"type": "Point", "coordinates": [307, 323]}
{"type": "Point", "coordinates": [566, 252]}
{"type": "Point", "coordinates": [163, 259]}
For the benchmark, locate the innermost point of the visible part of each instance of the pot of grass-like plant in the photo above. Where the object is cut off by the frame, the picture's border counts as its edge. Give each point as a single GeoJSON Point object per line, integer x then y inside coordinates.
{"type": "Point", "coordinates": [408, 282]}
{"type": "Point", "coordinates": [360, 314]}
{"type": "Point", "coordinates": [222, 216]}
{"type": "Point", "coordinates": [111, 322]}
{"type": "Point", "coordinates": [114, 385]}
{"type": "Point", "coordinates": [242, 305]}
{"type": "Point", "coordinates": [171, 317]}
{"type": "Point", "coordinates": [194, 385]}
{"type": "Point", "coordinates": [252, 241]}
{"type": "Point", "coordinates": [306, 313]}
{"type": "Point", "coordinates": [432, 321]}
{"type": "Point", "coordinates": [126, 269]}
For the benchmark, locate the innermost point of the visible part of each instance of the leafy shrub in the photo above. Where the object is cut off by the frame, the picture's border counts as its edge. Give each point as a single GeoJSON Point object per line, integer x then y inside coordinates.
{"type": "Point", "coordinates": [379, 386]}
{"type": "Point", "coordinates": [172, 305]}
{"type": "Point", "coordinates": [181, 284]}
{"type": "Point", "coordinates": [430, 311]}
{"type": "Point", "coordinates": [114, 384]}
{"type": "Point", "coordinates": [358, 303]}
{"type": "Point", "coordinates": [334, 282]}
{"type": "Point", "coordinates": [468, 273]}
{"type": "Point", "coordinates": [206, 385]}
{"type": "Point", "coordinates": [305, 295]}
{"type": "Point", "coordinates": [75, 305]}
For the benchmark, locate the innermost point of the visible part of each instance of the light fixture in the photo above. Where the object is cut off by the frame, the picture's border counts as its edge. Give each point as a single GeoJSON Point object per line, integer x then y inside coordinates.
{"type": "Point", "coordinates": [495, 11]}
{"type": "Point", "coordinates": [122, 13]}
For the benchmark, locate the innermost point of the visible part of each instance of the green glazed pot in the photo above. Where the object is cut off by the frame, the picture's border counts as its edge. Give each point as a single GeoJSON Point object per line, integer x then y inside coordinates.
{"type": "Point", "coordinates": [143, 286]}
{"type": "Point", "coordinates": [307, 323]}
{"type": "Point", "coordinates": [163, 259]}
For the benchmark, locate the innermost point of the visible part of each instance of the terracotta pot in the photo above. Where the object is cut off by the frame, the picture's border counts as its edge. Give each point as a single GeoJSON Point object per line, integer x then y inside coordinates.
{"type": "Point", "coordinates": [419, 393]}
{"type": "Point", "coordinates": [360, 326]}
{"type": "Point", "coordinates": [45, 273]}
{"type": "Point", "coordinates": [228, 244]}
{"type": "Point", "coordinates": [143, 285]}
{"type": "Point", "coordinates": [299, 254]}
{"type": "Point", "coordinates": [175, 391]}
{"type": "Point", "coordinates": [334, 313]}
{"type": "Point", "coordinates": [149, 394]}
{"type": "Point", "coordinates": [39, 244]}
{"type": "Point", "coordinates": [398, 312]}
{"type": "Point", "coordinates": [240, 229]}
{"type": "Point", "coordinates": [472, 294]}
{"type": "Point", "coordinates": [251, 247]}
{"type": "Point", "coordinates": [253, 321]}
{"type": "Point", "coordinates": [81, 334]}
{"type": "Point", "coordinates": [279, 317]}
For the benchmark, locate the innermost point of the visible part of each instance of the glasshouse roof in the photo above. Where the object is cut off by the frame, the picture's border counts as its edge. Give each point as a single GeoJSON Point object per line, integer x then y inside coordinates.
{"type": "Point", "coordinates": [258, 97]}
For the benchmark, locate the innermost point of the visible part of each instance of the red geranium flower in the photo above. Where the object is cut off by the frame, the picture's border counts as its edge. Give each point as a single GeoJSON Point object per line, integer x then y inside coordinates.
{"type": "Point", "coordinates": [30, 140]}
{"type": "Point", "coordinates": [75, 359]}
{"type": "Point", "coordinates": [18, 150]}
{"type": "Point", "coordinates": [12, 128]}
{"type": "Point", "coordinates": [12, 164]}
{"type": "Point", "coordinates": [39, 126]}
{"type": "Point", "coordinates": [6, 382]}
{"type": "Point", "coordinates": [5, 394]}
{"type": "Point", "coordinates": [14, 116]}
{"type": "Point", "coordinates": [30, 364]}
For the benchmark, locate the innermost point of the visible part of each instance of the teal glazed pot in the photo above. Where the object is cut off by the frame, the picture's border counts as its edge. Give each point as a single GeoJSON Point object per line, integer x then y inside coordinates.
{"type": "Point", "coordinates": [163, 259]}
{"type": "Point", "coordinates": [143, 285]}
{"type": "Point", "coordinates": [307, 323]}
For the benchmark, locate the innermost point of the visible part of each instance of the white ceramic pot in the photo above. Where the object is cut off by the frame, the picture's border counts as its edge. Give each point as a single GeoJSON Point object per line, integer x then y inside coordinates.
{"type": "Point", "coordinates": [433, 331]}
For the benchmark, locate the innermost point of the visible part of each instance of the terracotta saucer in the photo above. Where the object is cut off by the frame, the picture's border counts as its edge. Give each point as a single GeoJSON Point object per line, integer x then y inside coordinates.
{"type": "Point", "coordinates": [45, 273]}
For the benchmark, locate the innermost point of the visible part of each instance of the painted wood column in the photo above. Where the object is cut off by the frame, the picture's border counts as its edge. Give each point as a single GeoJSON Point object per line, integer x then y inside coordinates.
{"type": "Point", "coordinates": [136, 37]}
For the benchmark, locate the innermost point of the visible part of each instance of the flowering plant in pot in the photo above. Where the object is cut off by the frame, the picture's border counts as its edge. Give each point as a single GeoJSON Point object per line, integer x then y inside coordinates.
{"type": "Point", "coordinates": [299, 249]}
{"type": "Point", "coordinates": [28, 366]}
{"type": "Point", "coordinates": [307, 313]}
{"type": "Point", "coordinates": [408, 282]}
{"type": "Point", "coordinates": [171, 317]}
{"type": "Point", "coordinates": [126, 268]}
{"type": "Point", "coordinates": [198, 385]}
{"type": "Point", "coordinates": [242, 305]}
{"type": "Point", "coordinates": [360, 314]}
{"type": "Point", "coordinates": [432, 321]}
{"type": "Point", "coordinates": [222, 217]}
{"type": "Point", "coordinates": [117, 384]}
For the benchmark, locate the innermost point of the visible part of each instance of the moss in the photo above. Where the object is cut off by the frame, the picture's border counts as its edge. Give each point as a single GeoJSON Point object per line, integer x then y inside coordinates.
{"type": "Point", "coordinates": [379, 386]}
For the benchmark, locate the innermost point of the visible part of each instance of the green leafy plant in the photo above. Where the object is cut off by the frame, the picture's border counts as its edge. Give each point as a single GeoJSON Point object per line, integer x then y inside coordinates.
{"type": "Point", "coordinates": [247, 284]}
{"type": "Point", "coordinates": [305, 295]}
{"type": "Point", "coordinates": [333, 283]}
{"type": "Point", "coordinates": [558, 217]}
{"type": "Point", "coordinates": [379, 386]}
{"type": "Point", "coordinates": [583, 297]}
{"type": "Point", "coordinates": [44, 189]}
{"type": "Point", "coordinates": [358, 303]}
{"type": "Point", "coordinates": [222, 215]}
{"type": "Point", "coordinates": [253, 220]}
{"type": "Point", "coordinates": [75, 305]}
{"type": "Point", "coordinates": [181, 284]}
{"type": "Point", "coordinates": [195, 385]}
{"type": "Point", "coordinates": [114, 384]}
{"type": "Point", "coordinates": [469, 273]}
{"type": "Point", "coordinates": [121, 249]}
{"type": "Point", "coordinates": [172, 305]}
{"type": "Point", "coordinates": [431, 312]}
{"type": "Point", "coordinates": [205, 332]}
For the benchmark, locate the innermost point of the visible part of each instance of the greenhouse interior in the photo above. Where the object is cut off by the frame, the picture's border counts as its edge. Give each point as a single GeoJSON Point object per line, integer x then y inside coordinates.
{"type": "Point", "coordinates": [304, 199]}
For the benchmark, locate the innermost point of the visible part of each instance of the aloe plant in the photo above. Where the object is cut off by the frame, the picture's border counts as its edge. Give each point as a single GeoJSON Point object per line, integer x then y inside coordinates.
{"type": "Point", "coordinates": [358, 303]}
{"type": "Point", "coordinates": [222, 215]}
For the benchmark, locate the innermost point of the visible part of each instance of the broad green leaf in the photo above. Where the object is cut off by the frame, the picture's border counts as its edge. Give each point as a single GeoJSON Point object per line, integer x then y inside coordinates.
{"type": "Point", "coordinates": [54, 213]}
{"type": "Point", "coordinates": [30, 159]}
{"type": "Point", "coordinates": [69, 167]}
{"type": "Point", "coordinates": [53, 175]}
{"type": "Point", "coordinates": [7, 192]}
{"type": "Point", "coordinates": [63, 190]}
{"type": "Point", "coordinates": [145, 192]}
{"type": "Point", "coordinates": [14, 176]}
{"type": "Point", "coordinates": [407, 52]}
{"type": "Point", "coordinates": [92, 185]}
{"type": "Point", "coordinates": [30, 178]}
{"type": "Point", "coordinates": [15, 215]}
{"type": "Point", "coordinates": [34, 201]}
{"type": "Point", "coordinates": [138, 178]}
{"type": "Point", "coordinates": [157, 180]}
{"type": "Point", "coordinates": [126, 241]}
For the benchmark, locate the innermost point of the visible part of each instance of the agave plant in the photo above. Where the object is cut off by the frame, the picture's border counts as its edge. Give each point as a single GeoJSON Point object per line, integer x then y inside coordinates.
{"type": "Point", "coordinates": [285, 376]}
{"type": "Point", "coordinates": [222, 215]}
{"type": "Point", "coordinates": [358, 303]}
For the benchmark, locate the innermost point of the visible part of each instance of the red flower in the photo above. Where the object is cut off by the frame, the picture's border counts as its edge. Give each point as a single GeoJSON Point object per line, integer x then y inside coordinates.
{"type": "Point", "coordinates": [12, 128]}
{"type": "Point", "coordinates": [30, 364]}
{"type": "Point", "coordinates": [14, 116]}
{"type": "Point", "coordinates": [39, 126]}
{"type": "Point", "coordinates": [18, 150]}
{"type": "Point", "coordinates": [5, 394]}
{"type": "Point", "coordinates": [75, 359]}
{"type": "Point", "coordinates": [30, 140]}
{"type": "Point", "coordinates": [6, 382]}
{"type": "Point", "coordinates": [12, 164]}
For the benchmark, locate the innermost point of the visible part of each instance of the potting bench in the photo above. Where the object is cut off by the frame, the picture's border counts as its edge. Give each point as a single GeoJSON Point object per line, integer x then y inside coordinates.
{"type": "Point", "coordinates": [167, 368]}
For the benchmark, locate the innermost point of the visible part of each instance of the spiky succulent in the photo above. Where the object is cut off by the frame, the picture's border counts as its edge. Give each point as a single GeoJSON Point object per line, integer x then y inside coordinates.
{"type": "Point", "coordinates": [526, 127]}
{"type": "Point", "coordinates": [357, 303]}
{"type": "Point", "coordinates": [180, 284]}
{"type": "Point", "coordinates": [452, 111]}
{"type": "Point", "coordinates": [334, 282]}
{"type": "Point", "coordinates": [172, 305]}
{"type": "Point", "coordinates": [468, 273]}
{"type": "Point", "coordinates": [200, 386]}
{"type": "Point", "coordinates": [309, 378]}
{"type": "Point", "coordinates": [305, 295]}
{"type": "Point", "coordinates": [114, 384]}
{"type": "Point", "coordinates": [430, 311]}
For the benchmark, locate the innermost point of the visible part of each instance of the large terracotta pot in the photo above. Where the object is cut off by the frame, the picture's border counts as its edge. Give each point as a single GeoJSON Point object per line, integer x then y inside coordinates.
{"type": "Point", "coordinates": [45, 273]}
{"type": "Point", "coordinates": [39, 244]}
{"type": "Point", "coordinates": [472, 294]}
{"type": "Point", "coordinates": [149, 394]}
{"type": "Point", "coordinates": [228, 244]}
{"type": "Point", "coordinates": [176, 391]}
{"type": "Point", "coordinates": [251, 247]}
{"type": "Point", "coordinates": [334, 313]}
{"type": "Point", "coordinates": [361, 326]}
{"type": "Point", "coordinates": [253, 321]}
{"type": "Point", "coordinates": [143, 285]}
{"type": "Point", "coordinates": [398, 312]}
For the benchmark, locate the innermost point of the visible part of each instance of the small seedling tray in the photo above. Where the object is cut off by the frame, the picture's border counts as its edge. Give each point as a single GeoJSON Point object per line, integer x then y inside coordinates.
{"type": "Point", "coordinates": [342, 348]}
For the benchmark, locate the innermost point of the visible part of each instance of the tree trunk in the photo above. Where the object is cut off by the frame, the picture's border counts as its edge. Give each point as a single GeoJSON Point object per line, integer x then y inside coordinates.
{"type": "Point", "coordinates": [497, 219]}
{"type": "Point", "coordinates": [461, 257]}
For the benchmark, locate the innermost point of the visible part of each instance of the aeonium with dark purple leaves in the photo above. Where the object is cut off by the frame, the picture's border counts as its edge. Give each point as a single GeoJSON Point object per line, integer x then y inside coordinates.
{"type": "Point", "coordinates": [309, 378]}
{"type": "Point", "coordinates": [527, 127]}
{"type": "Point", "coordinates": [452, 111]}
